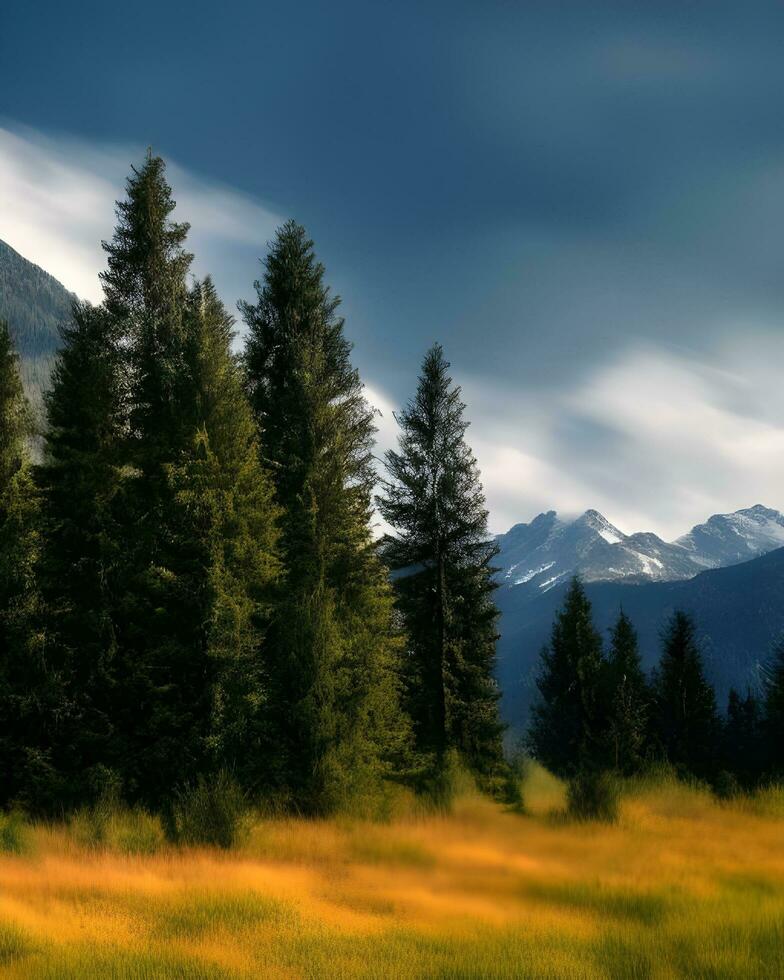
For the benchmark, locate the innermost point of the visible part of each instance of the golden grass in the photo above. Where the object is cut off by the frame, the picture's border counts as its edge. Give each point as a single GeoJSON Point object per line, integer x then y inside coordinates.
{"type": "Point", "coordinates": [682, 886]}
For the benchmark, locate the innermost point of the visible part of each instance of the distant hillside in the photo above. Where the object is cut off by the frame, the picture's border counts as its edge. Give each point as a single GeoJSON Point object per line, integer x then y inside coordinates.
{"type": "Point", "coordinates": [34, 304]}
{"type": "Point", "coordinates": [738, 610]}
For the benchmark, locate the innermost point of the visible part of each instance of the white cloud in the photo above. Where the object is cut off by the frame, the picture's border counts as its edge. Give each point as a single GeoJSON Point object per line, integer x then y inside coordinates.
{"type": "Point", "coordinates": [57, 200]}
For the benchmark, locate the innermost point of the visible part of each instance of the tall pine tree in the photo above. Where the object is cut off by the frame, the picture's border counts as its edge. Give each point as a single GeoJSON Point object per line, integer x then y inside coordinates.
{"type": "Point", "coordinates": [333, 649]}
{"type": "Point", "coordinates": [628, 700]}
{"type": "Point", "coordinates": [442, 552]}
{"type": "Point", "coordinates": [79, 480]}
{"type": "Point", "coordinates": [228, 528]}
{"type": "Point", "coordinates": [567, 731]}
{"type": "Point", "coordinates": [684, 702]}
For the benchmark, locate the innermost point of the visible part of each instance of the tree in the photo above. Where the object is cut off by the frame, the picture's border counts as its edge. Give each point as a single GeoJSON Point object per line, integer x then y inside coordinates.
{"type": "Point", "coordinates": [333, 650]}
{"type": "Point", "coordinates": [24, 679]}
{"type": "Point", "coordinates": [773, 714]}
{"type": "Point", "coordinates": [685, 703]}
{"type": "Point", "coordinates": [442, 553]}
{"type": "Point", "coordinates": [628, 699]}
{"type": "Point", "coordinates": [228, 527]}
{"type": "Point", "coordinates": [79, 480]}
{"type": "Point", "coordinates": [742, 739]}
{"type": "Point", "coordinates": [567, 732]}
{"type": "Point", "coordinates": [162, 702]}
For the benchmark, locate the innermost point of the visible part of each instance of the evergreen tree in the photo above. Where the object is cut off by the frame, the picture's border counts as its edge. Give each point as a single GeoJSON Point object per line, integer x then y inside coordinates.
{"type": "Point", "coordinates": [773, 715]}
{"type": "Point", "coordinates": [742, 739]}
{"type": "Point", "coordinates": [228, 528]}
{"type": "Point", "coordinates": [628, 699]}
{"type": "Point", "coordinates": [443, 553]}
{"type": "Point", "coordinates": [685, 703]}
{"type": "Point", "coordinates": [567, 730]}
{"type": "Point", "coordinates": [79, 480]}
{"type": "Point", "coordinates": [24, 679]}
{"type": "Point", "coordinates": [333, 653]}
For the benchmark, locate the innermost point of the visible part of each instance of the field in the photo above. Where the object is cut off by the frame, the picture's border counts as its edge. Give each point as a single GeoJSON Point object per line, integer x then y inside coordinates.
{"type": "Point", "coordinates": [682, 886]}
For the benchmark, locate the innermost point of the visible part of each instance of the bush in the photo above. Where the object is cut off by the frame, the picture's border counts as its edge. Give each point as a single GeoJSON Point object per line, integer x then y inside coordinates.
{"type": "Point", "coordinates": [13, 833]}
{"type": "Point", "coordinates": [213, 812]}
{"type": "Point", "coordinates": [726, 785]}
{"type": "Point", "coordinates": [594, 795]}
{"type": "Point", "coordinates": [135, 832]}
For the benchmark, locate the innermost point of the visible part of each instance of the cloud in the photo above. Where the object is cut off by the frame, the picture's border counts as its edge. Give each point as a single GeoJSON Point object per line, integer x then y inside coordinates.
{"type": "Point", "coordinates": [57, 198]}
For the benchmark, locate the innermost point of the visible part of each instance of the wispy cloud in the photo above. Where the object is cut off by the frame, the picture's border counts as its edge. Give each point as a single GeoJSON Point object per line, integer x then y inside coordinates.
{"type": "Point", "coordinates": [57, 199]}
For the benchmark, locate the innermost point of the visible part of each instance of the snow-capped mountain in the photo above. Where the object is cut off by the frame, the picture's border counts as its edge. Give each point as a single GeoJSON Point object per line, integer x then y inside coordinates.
{"type": "Point", "coordinates": [545, 552]}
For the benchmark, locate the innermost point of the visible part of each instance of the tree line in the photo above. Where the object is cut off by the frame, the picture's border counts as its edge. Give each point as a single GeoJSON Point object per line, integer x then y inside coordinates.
{"type": "Point", "coordinates": [598, 711]}
{"type": "Point", "coordinates": [190, 585]}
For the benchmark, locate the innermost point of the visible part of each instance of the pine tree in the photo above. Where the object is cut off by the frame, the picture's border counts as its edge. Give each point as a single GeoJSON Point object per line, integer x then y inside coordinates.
{"type": "Point", "coordinates": [567, 731]}
{"type": "Point", "coordinates": [79, 480]}
{"type": "Point", "coordinates": [773, 715]}
{"type": "Point", "coordinates": [685, 703]}
{"type": "Point", "coordinates": [25, 682]}
{"type": "Point", "coordinates": [228, 527]}
{"type": "Point", "coordinates": [163, 674]}
{"type": "Point", "coordinates": [333, 650]}
{"type": "Point", "coordinates": [742, 740]}
{"type": "Point", "coordinates": [628, 699]}
{"type": "Point", "coordinates": [442, 551]}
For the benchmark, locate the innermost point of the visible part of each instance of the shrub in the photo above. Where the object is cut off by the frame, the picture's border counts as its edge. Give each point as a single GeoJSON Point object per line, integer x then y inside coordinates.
{"type": "Point", "coordinates": [213, 812]}
{"type": "Point", "coordinates": [13, 833]}
{"type": "Point", "coordinates": [135, 832]}
{"type": "Point", "coordinates": [593, 795]}
{"type": "Point", "coordinates": [726, 785]}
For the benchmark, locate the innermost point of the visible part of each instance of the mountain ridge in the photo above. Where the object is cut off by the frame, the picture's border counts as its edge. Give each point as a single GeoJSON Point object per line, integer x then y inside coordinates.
{"type": "Point", "coordinates": [549, 550]}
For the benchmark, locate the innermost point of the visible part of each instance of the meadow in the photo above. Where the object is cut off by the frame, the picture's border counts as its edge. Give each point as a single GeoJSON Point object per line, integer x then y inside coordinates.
{"type": "Point", "coordinates": [682, 885]}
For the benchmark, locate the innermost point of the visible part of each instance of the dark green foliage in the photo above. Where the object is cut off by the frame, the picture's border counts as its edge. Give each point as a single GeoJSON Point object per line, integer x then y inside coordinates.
{"type": "Point", "coordinates": [332, 652]}
{"type": "Point", "coordinates": [227, 524]}
{"type": "Point", "coordinates": [442, 553]}
{"type": "Point", "coordinates": [628, 700]}
{"type": "Point", "coordinates": [25, 682]}
{"type": "Point", "coordinates": [214, 811]}
{"type": "Point", "coordinates": [685, 706]}
{"type": "Point", "coordinates": [79, 480]}
{"type": "Point", "coordinates": [567, 731]}
{"type": "Point", "coordinates": [742, 740]}
{"type": "Point", "coordinates": [773, 720]}
{"type": "Point", "coordinates": [593, 794]}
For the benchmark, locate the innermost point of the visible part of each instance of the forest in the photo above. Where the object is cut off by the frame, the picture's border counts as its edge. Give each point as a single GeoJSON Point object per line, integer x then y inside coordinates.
{"type": "Point", "coordinates": [197, 616]}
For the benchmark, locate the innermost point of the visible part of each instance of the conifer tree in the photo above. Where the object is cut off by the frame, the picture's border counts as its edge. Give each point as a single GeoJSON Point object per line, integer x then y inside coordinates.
{"type": "Point", "coordinates": [79, 479]}
{"type": "Point", "coordinates": [443, 553]}
{"type": "Point", "coordinates": [24, 680]}
{"type": "Point", "coordinates": [773, 715]}
{"type": "Point", "coordinates": [742, 739]}
{"type": "Point", "coordinates": [228, 527]}
{"type": "Point", "coordinates": [628, 699]}
{"type": "Point", "coordinates": [685, 704]}
{"type": "Point", "coordinates": [333, 650]}
{"type": "Point", "coordinates": [567, 732]}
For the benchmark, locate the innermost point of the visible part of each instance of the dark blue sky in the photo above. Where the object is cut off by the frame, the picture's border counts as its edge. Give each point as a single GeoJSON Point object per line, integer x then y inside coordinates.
{"type": "Point", "coordinates": [563, 193]}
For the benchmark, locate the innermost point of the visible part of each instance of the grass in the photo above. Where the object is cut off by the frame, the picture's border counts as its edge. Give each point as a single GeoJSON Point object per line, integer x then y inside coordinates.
{"type": "Point", "coordinates": [682, 885]}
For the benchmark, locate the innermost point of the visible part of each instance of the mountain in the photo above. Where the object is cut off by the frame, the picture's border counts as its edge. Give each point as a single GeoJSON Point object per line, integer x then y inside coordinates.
{"type": "Point", "coordinates": [728, 572]}
{"type": "Point", "coordinates": [738, 610]}
{"type": "Point", "coordinates": [35, 305]}
{"type": "Point", "coordinates": [548, 551]}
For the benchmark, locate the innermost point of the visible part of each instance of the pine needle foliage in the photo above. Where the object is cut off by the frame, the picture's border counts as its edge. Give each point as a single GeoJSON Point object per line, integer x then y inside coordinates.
{"type": "Point", "coordinates": [441, 554]}
{"type": "Point", "coordinates": [333, 647]}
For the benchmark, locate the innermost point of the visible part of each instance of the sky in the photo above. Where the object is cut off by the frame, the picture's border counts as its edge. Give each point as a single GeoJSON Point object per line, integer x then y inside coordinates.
{"type": "Point", "coordinates": [583, 202]}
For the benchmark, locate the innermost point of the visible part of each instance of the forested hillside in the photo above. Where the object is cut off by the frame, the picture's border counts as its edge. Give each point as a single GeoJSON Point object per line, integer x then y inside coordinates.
{"type": "Point", "coordinates": [34, 304]}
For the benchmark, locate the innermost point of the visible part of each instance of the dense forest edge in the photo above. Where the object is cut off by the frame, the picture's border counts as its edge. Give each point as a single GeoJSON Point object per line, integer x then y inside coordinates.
{"type": "Point", "coordinates": [196, 618]}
